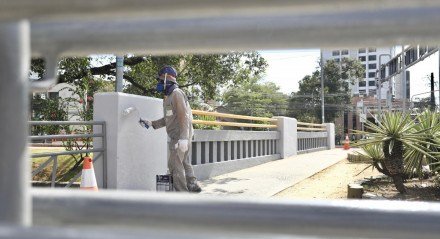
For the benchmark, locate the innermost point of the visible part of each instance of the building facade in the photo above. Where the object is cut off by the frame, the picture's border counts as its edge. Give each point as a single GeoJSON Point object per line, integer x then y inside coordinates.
{"type": "Point", "coordinates": [369, 57]}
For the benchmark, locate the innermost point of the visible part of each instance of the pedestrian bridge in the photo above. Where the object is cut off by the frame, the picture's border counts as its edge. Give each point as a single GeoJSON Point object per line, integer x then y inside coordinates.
{"type": "Point", "coordinates": [136, 155]}
{"type": "Point", "coordinates": [127, 156]}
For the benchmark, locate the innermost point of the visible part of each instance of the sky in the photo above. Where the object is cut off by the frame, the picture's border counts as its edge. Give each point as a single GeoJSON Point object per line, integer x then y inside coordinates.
{"type": "Point", "coordinates": [287, 67]}
{"type": "Point", "coordinates": [419, 80]}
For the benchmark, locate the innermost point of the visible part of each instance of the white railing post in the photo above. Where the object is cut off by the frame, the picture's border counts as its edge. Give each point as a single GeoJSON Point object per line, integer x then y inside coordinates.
{"type": "Point", "coordinates": [288, 145]}
{"type": "Point", "coordinates": [15, 199]}
{"type": "Point", "coordinates": [330, 127]}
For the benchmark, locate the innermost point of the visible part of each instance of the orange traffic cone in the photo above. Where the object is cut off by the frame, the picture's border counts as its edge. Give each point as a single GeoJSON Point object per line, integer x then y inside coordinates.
{"type": "Point", "coordinates": [347, 143]}
{"type": "Point", "coordinates": [88, 179]}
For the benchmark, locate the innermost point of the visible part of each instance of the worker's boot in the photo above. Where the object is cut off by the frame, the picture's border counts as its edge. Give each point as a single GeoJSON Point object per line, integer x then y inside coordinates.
{"type": "Point", "coordinates": [194, 187]}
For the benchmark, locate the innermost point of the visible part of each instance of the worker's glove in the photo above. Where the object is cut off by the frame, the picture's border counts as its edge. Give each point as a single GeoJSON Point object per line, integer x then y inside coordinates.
{"type": "Point", "coordinates": [145, 123]}
{"type": "Point", "coordinates": [183, 145]}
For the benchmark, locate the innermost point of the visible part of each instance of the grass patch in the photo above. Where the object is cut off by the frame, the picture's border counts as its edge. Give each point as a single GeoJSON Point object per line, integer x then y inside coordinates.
{"type": "Point", "coordinates": [65, 164]}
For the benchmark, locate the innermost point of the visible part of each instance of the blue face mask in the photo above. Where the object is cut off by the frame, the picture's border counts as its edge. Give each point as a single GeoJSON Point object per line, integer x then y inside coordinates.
{"type": "Point", "coordinates": [160, 87]}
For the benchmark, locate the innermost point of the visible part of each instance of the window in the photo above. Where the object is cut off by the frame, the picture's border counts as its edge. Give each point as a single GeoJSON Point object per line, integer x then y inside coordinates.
{"type": "Point", "coordinates": [372, 58]}
{"type": "Point", "coordinates": [371, 66]}
{"type": "Point", "coordinates": [337, 60]}
{"type": "Point", "coordinates": [371, 49]}
{"type": "Point", "coordinates": [335, 53]}
{"type": "Point", "coordinates": [362, 58]}
{"type": "Point", "coordinates": [371, 74]}
{"type": "Point", "coordinates": [364, 66]}
{"type": "Point", "coordinates": [371, 83]}
{"type": "Point", "coordinates": [362, 50]}
{"type": "Point", "coordinates": [53, 95]}
{"type": "Point", "coordinates": [344, 52]}
{"type": "Point", "coordinates": [362, 84]}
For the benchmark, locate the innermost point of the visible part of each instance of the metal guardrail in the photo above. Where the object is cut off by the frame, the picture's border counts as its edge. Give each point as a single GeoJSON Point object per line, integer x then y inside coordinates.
{"type": "Point", "coordinates": [233, 116]}
{"type": "Point", "coordinates": [53, 156]}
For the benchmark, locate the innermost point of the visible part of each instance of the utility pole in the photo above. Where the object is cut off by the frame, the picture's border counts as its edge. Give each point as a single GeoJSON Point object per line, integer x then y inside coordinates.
{"type": "Point", "coordinates": [390, 94]}
{"type": "Point", "coordinates": [322, 90]}
{"type": "Point", "coordinates": [403, 79]}
{"type": "Point", "coordinates": [432, 92]}
{"type": "Point", "coordinates": [119, 73]}
{"type": "Point", "coordinates": [379, 90]}
{"type": "Point", "coordinates": [379, 85]}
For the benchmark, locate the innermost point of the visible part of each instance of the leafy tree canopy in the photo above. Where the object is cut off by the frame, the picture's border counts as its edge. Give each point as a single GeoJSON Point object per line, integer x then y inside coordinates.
{"type": "Point", "coordinates": [201, 76]}
{"type": "Point", "coordinates": [255, 98]}
{"type": "Point", "coordinates": [305, 105]}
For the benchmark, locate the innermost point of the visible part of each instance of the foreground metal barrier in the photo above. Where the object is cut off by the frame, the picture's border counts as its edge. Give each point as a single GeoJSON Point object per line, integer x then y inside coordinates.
{"type": "Point", "coordinates": [65, 27]}
{"type": "Point", "coordinates": [198, 215]}
{"type": "Point", "coordinates": [53, 157]}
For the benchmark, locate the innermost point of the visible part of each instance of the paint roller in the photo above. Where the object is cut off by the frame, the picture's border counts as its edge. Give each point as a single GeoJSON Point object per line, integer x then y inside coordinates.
{"type": "Point", "coordinates": [132, 109]}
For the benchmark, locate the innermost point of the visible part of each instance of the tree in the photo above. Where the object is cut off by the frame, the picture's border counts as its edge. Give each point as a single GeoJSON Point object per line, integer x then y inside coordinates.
{"type": "Point", "coordinates": [422, 104]}
{"type": "Point", "coordinates": [254, 98]}
{"type": "Point", "coordinates": [305, 105]}
{"type": "Point", "coordinates": [201, 76]}
{"type": "Point", "coordinates": [51, 109]}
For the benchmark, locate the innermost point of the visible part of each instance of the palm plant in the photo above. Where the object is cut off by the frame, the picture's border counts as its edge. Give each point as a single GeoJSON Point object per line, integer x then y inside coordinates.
{"type": "Point", "coordinates": [374, 152]}
{"type": "Point", "coordinates": [429, 123]}
{"type": "Point", "coordinates": [396, 132]}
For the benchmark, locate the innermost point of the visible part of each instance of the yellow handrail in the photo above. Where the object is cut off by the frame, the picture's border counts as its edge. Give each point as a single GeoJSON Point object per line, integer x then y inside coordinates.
{"type": "Point", "coordinates": [221, 123]}
{"type": "Point", "coordinates": [232, 116]}
{"type": "Point", "coordinates": [311, 124]}
{"type": "Point", "coordinates": [310, 129]}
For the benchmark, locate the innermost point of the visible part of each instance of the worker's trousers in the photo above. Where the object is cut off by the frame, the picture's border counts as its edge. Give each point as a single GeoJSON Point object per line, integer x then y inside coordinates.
{"type": "Point", "coordinates": [180, 167]}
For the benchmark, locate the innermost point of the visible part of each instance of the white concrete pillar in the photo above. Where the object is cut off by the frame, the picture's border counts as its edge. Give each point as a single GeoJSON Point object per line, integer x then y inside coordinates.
{"type": "Point", "coordinates": [288, 145]}
{"type": "Point", "coordinates": [135, 155]}
{"type": "Point", "coordinates": [330, 135]}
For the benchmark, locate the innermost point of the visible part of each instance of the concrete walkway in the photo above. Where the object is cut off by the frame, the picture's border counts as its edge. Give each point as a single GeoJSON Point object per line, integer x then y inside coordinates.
{"type": "Point", "coordinates": [267, 179]}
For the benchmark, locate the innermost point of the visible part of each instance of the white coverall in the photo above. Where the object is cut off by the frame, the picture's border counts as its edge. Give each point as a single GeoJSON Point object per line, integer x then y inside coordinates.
{"type": "Point", "coordinates": [178, 121]}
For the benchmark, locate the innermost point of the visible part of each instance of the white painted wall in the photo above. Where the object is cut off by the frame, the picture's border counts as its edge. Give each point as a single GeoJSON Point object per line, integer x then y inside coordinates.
{"type": "Point", "coordinates": [135, 155]}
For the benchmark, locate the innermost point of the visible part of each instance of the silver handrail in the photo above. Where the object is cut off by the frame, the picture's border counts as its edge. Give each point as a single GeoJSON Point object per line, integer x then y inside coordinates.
{"type": "Point", "coordinates": [53, 156]}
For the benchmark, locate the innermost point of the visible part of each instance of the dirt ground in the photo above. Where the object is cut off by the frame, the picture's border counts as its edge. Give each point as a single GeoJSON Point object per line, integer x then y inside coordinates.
{"type": "Point", "coordinates": [330, 183]}
{"type": "Point", "coordinates": [417, 190]}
